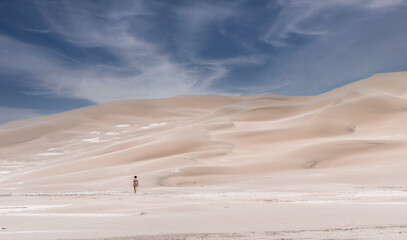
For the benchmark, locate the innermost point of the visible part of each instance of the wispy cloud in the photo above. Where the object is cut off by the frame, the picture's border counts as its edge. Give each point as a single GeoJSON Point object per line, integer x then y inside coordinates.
{"type": "Point", "coordinates": [382, 4]}
{"type": "Point", "coordinates": [330, 43]}
{"type": "Point", "coordinates": [155, 76]}
{"type": "Point", "coordinates": [141, 67]}
{"type": "Point", "coordinates": [201, 15]}
{"type": "Point", "coordinates": [317, 17]}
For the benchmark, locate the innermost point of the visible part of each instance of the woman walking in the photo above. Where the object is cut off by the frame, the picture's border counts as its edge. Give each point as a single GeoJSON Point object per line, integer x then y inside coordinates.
{"type": "Point", "coordinates": [135, 184]}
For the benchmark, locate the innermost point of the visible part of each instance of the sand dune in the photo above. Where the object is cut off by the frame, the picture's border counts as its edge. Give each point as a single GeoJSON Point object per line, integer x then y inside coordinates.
{"type": "Point", "coordinates": [351, 136]}
{"type": "Point", "coordinates": [255, 133]}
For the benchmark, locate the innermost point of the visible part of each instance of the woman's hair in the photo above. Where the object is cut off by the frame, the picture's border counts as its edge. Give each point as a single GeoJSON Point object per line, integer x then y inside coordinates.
{"type": "Point", "coordinates": [135, 176]}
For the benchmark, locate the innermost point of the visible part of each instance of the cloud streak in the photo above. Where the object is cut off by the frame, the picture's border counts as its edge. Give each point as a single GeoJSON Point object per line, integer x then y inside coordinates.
{"type": "Point", "coordinates": [139, 68]}
{"type": "Point", "coordinates": [315, 17]}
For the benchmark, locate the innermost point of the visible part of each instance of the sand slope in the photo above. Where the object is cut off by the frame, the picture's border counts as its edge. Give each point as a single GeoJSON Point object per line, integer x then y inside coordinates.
{"type": "Point", "coordinates": [188, 140]}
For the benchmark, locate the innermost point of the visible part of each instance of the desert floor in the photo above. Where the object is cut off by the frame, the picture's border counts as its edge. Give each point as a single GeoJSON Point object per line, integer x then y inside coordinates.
{"type": "Point", "coordinates": [243, 210]}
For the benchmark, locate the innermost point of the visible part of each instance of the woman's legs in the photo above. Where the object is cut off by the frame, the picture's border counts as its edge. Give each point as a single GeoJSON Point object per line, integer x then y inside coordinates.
{"type": "Point", "coordinates": [135, 189]}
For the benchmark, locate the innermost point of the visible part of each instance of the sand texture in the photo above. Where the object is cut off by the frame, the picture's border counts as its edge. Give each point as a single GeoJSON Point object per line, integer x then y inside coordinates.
{"type": "Point", "coordinates": [331, 166]}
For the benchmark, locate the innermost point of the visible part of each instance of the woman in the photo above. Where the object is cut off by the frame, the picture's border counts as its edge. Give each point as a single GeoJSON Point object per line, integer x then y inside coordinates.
{"type": "Point", "coordinates": [135, 184]}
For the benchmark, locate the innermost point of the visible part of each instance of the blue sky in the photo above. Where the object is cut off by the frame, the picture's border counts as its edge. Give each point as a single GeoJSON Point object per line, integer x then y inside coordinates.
{"type": "Point", "coordinates": [61, 55]}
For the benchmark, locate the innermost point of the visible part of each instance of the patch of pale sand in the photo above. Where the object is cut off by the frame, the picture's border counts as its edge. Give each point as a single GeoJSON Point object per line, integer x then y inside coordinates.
{"type": "Point", "coordinates": [79, 193]}
{"type": "Point", "coordinates": [66, 214]}
{"type": "Point", "coordinates": [345, 202]}
{"type": "Point", "coordinates": [112, 133]}
{"type": "Point", "coordinates": [224, 160]}
{"type": "Point", "coordinates": [382, 137]}
{"type": "Point", "coordinates": [7, 162]}
{"type": "Point", "coordinates": [359, 232]}
{"type": "Point", "coordinates": [95, 132]}
{"type": "Point", "coordinates": [49, 154]}
{"type": "Point", "coordinates": [151, 125]}
{"type": "Point", "coordinates": [10, 209]}
{"type": "Point", "coordinates": [149, 218]}
{"type": "Point", "coordinates": [372, 193]}
{"type": "Point", "coordinates": [122, 125]}
{"type": "Point", "coordinates": [370, 197]}
{"type": "Point", "coordinates": [33, 231]}
{"type": "Point", "coordinates": [94, 140]}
